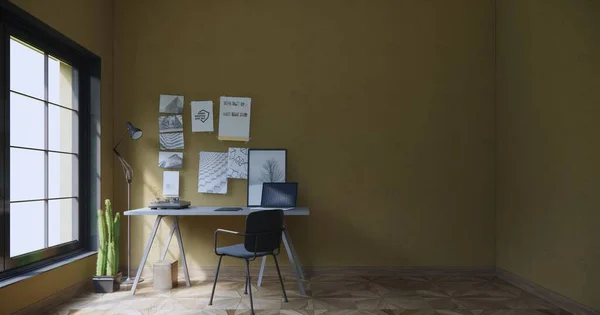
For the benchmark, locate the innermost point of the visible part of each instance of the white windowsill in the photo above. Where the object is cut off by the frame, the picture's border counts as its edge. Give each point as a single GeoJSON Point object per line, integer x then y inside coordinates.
{"type": "Point", "coordinates": [33, 273]}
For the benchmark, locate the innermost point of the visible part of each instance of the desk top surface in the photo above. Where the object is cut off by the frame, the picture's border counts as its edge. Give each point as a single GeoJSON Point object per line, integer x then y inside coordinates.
{"type": "Point", "coordinates": [210, 211]}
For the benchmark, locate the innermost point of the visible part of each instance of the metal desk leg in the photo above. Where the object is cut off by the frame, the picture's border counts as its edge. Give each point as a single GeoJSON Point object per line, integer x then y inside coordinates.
{"type": "Point", "coordinates": [182, 251]}
{"type": "Point", "coordinates": [262, 270]}
{"type": "Point", "coordinates": [145, 256]}
{"type": "Point", "coordinates": [164, 253]}
{"type": "Point", "coordinates": [286, 234]}
{"type": "Point", "coordinates": [292, 261]}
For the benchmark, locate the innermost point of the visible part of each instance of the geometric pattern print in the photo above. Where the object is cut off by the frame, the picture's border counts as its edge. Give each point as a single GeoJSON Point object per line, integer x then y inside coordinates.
{"type": "Point", "coordinates": [171, 141]}
{"type": "Point", "coordinates": [212, 175]}
{"type": "Point", "coordinates": [237, 163]}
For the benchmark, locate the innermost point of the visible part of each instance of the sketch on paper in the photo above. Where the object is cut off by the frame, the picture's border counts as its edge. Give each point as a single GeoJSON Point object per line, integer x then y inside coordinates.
{"type": "Point", "coordinates": [171, 123]}
{"type": "Point", "coordinates": [171, 141]}
{"type": "Point", "coordinates": [202, 116]}
{"type": "Point", "coordinates": [264, 166]}
{"type": "Point", "coordinates": [171, 104]}
{"type": "Point", "coordinates": [237, 163]}
{"type": "Point", "coordinates": [171, 183]}
{"type": "Point", "coordinates": [212, 173]}
{"type": "Point", "coordinates": [170, 159]}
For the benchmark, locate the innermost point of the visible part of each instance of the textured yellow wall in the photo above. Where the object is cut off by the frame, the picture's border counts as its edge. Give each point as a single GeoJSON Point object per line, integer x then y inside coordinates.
{"type": "Point", "coordinates": [89, 23]}
{"type": "Point", "coordinates": [386, 108]}
{"type": "Point", "coordinates": [548, 206]}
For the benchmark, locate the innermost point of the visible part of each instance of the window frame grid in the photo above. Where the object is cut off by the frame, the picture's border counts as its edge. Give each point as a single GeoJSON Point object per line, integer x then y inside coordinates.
{"type": "Point", "coordinates": [16, 22]}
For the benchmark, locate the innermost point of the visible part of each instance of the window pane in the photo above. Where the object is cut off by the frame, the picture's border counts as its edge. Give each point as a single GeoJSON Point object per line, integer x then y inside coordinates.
{"type": "Point", "coordinates": [63, 175]}
{"type": "Point", "coordinates": [26, 122]}
{"type": "Point", "coordinates": [26, 69]}
{"type": "Point", "coordinates": [26, 174]}
{"type": "Point", "coordinates": [26, 227]}
{"type": "Point", "coordinates": [62, 83]}
{"type": "Point", "coordinates": [63, 221]}
{"type": "Point", "coordinates": [63, 129]}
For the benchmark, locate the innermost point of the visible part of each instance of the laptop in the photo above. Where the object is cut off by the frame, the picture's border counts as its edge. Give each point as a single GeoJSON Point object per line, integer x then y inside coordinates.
{"type": "Point", "coordinates": [278, 196]}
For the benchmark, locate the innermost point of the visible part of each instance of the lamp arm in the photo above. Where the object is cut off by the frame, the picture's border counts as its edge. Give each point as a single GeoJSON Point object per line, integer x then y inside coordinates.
{"type": "Point", "coordinates": [127, 169]}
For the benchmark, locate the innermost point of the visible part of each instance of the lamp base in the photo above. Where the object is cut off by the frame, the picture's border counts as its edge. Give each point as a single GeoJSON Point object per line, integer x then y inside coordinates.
{"type": "Point", "coordinates": [127, 280]}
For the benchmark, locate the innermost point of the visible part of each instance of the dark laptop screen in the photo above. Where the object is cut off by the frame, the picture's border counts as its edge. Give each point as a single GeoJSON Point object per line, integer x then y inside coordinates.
{"type": "Point", "coordinates": [279, 195]}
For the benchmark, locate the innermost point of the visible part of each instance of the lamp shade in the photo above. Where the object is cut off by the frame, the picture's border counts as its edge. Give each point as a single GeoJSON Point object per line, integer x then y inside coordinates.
{"type": "Point", "coordinates": [134, 132]}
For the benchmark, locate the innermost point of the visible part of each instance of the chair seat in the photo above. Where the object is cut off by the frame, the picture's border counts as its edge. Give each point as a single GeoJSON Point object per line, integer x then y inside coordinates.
{"type": "Point", "coordinates": [239, 251]}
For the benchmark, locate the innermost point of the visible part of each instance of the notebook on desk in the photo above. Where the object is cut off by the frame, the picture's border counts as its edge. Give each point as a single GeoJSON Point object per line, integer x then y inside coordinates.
{"type": "Point", "coordinates": [278, 196]}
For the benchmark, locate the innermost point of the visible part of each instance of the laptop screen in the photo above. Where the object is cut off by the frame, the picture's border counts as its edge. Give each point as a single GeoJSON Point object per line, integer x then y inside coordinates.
{"type": "Point", "coordinates": [279, 195]}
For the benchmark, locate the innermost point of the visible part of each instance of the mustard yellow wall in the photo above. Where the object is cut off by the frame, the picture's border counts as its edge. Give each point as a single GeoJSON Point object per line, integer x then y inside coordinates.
{"type": "Point", "coordinates": [548, 205]}
{"type": "Point", "coordinates": [90, 24]}
{"type": "Point", "coordinates": [386, 108]}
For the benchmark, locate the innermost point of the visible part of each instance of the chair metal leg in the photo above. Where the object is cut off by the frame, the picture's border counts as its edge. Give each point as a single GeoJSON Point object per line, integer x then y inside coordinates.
{"type": "Point", "coordinates": [212, 295]}
{"type": "Point", "coordinates": [246, 286]}
{"type": "Point", "coordinates": [280, 279]}
{"type": "Point", "coordinates": [248, 281]}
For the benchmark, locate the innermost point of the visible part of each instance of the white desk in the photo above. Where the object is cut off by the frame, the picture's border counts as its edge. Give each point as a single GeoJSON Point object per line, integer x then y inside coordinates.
{"type": "Point", "coordinates": [210, 211]}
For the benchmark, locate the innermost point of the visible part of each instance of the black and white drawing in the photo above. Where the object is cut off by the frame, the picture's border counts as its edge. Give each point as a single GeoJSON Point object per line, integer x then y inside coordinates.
{"type": "Point", "coordinates": [237, 163]}
{"type": "Point", "coordinates": [170, 159]}
{"type": "Point", "coordinates": [212, 173]}
{"type": "Point", "coordinates": [202, 116]}
{"type": "Point", "coordinates": [171, 104]}
{"type": "Point", "coordinates": [264, 166]}
{"type": "Point", "coordinates": [171, 141]}
{"type": "Point", "coordinates": [170, 123]}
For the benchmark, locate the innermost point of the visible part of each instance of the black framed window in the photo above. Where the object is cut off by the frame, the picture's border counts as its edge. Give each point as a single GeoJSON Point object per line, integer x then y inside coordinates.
{"type": "Point", "coordinates": [47, 86]}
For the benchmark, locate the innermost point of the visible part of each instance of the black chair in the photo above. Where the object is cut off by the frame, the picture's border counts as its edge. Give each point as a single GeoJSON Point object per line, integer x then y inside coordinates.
{"type": "Point", "coordinates": [262, 238]}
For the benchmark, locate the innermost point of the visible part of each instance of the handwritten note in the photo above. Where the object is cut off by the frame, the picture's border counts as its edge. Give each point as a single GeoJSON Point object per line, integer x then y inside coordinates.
{"type": "Point", "coordinates": [234, 118]}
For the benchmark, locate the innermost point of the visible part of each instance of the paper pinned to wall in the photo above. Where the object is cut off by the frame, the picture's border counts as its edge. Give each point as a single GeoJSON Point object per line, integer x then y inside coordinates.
{"type": "Point", "coordinates": [237, 163]}
{"type": "Point", "coordinates": [202, 116]}
{"type": "Point", "coordinates": [212, 173]}
{"type": "Point", "coordinates": [234, 118]}
{"type": "Point", "coordinates": [171, 184]}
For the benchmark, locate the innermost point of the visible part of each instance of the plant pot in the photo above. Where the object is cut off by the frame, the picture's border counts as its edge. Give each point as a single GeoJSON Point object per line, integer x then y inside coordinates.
{"type": "Point", "coordinates": [107, 284]}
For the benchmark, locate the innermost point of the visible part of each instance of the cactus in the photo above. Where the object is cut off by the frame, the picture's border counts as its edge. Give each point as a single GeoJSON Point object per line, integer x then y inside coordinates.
{"type": "Point", "coordinates": [107, 263]}
{"type": "Point", "coordinates": [101, 260]}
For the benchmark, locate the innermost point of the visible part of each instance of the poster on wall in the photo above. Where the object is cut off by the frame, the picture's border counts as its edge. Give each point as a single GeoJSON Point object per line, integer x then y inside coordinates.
{"type": "Point", "coordinates": [212, 173]}
{"type": "Point", "coordinates": [171, 141]}
{"type": "Point", "coordinates": [237, 163]}
{"type": "Point", "coordinates": [170, 104]}
{"type": "Point", "coordinates": [234, 118]}
{"type": "Point", "coordinates": [170, 123]}
{"type": "Point", "coordinates": [170, 159]}
{"type": "Point", "coordinates": [202, 116]}
{"type": "Point", "coordinates": [171, 183]}
{"type": "Point", "coordinates": [264, 166]}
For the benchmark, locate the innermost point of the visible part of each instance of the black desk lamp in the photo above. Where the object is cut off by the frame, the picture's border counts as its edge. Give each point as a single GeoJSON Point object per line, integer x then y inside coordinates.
{"type": "Point", "coordinates": [135, 133]}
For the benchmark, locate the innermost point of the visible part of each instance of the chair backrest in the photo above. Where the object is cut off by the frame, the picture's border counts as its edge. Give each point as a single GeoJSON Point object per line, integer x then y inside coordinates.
{"type": "Point", "coordinates": [268, 223]}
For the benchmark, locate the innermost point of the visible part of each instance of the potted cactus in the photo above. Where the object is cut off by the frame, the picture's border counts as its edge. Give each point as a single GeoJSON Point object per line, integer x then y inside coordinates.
{"type": "Point", "coordinates": [108, 277]}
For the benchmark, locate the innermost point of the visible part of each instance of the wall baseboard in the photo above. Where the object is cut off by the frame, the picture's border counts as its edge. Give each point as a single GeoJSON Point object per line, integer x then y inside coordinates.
{"type": "Point", "coordinates": [56, 299]}
{"type": "Point", "coordinates": [546, 294]}
{"type": "Point", "coordinates": [202, 272]}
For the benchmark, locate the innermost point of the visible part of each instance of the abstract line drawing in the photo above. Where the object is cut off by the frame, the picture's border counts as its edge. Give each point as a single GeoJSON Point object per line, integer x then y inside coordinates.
{"type": "Point", "coordinates": [171, 104]}
{"type": "Point", "coordinates": [212, 173]}
{"type": "Point", "coordinates": [237, 163]}
{"type": "Point", "coordinates": [170, 159]}
{"type": "Point", "coordinates": [264, 166]}
{"type": "Point", "coordinates": [202, 117]}
{"type": "Point", "coordinates": [171, 123]}
{"type": "Point", "coordinates": [171, 141]}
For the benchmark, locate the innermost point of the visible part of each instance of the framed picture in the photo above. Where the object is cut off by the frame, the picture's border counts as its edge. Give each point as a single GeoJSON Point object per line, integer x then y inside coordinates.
{"type": "Point", "coordinates": [264, 166]}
